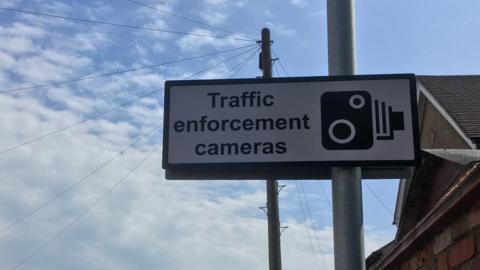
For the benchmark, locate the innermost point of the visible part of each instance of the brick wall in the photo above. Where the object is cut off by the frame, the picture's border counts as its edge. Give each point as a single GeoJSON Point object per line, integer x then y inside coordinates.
{"type": "Point", "coordinates": [455, 246]}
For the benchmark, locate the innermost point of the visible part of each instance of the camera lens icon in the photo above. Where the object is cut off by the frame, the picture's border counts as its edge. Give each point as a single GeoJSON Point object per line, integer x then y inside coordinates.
{"type": "Point", "coordinates": [341, 131]}
{"type": "Point", "coordinates": [356, 101]}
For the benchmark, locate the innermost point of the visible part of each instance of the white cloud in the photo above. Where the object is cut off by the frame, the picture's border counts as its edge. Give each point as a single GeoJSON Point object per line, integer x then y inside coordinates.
{"type": "Point", "coordinates": [55, 7]}
{"type": "Point", "coordinates": [87, 41]}
{"type": "Point", "coordinates": [281, 29]}
{"type": "Point", "coordinates": [147, 222]}
{"type": "Point", "coordinates": [10, 3]}
{"type": "Point", "coordinates": [156, 19]}
{"type": "Point", "coordinates": [49, 66]}
{"type": "Point", "coordinates": [18, 45]}
{"type": "Point", "coordinates": [215, 17]}
{"type": "Point", "coordinates": [299, 3]}
{"type": "Point", "coordinates": [6, 61]}
{"type": "Point", "coordinates": [73, 102]}
{"type": "Point", "coordinates": [216, 2]}
{"type": "Point", "coordinates": [238, 3]}
{"type": "Point", "coordinates": [22, 30]}
{"type": "Point", "coordinates": [204, 39]}
{"type": "Point", "coordinates": [218, 12]}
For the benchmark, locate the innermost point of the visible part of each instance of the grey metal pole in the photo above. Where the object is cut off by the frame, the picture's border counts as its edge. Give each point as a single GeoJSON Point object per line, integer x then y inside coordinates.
{"type": "Point", "coordinates": [274, 250]}
{"type": "Point", "coordinates": [346, 181]}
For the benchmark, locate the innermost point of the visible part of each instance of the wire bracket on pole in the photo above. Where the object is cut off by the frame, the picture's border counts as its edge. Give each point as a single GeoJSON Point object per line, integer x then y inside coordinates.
{"type": "Point", "coordinates": [260, 42]}
{"type": "Point", "coordinates": [264, 209]}
{"type": "Point", "coordinates": [280, 187]}
{"type": "Point", "coordinates": [282, 229]}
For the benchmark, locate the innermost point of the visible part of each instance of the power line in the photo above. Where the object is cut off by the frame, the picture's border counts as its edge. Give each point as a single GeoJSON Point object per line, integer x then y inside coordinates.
{"type": "Point", "coordinates": [276, 69]}
{"type": "Point", "coordinates": [303, 189]}
{"type": "Point", "coordinates": [57, 235]}
{"type": "Point", "coordinates": [325, 195]}
{"type": "Point", "coordinates": [240, 65]}
{"type": "Point", "coordinates": [94, 116]}
{"type": "Point", "coordinates": [219, 63]}
{"type": "Point", "coordinates": [80, 181]}
{"type": "Point", "coordinates": [244, 63]}
{"type": "Point", "coordinates": [110, 110]}
{"type": "Point", "coordinates": [77, 218]}
{"type": "Point", "coordinates": [281, 65]}
{"type": "Point", "coordinates": [314, 226]}
{"type": "Point", "coordinates": [187, 18]}
{"type": "Point", "coordinates": [300, 202]}
{"type": "Point", "coordinates": [283, 68]}
{"type": "Point", "coordinates": [119, 25]}
{"type": "Point", "coordinates": [378, 198]}
{"type": "Point", "coordinates": [89, 77]}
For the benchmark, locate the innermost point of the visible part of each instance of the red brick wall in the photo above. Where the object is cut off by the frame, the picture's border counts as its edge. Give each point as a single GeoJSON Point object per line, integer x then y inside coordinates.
{"type": "Point", "coordinates": [456, 246]}
{"type": "Point", "coordinates": [434, 177]}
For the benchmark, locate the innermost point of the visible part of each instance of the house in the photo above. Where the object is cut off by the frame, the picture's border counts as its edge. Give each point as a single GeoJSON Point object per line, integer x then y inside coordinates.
{"type": "Point", "coordinates": [438, 206]}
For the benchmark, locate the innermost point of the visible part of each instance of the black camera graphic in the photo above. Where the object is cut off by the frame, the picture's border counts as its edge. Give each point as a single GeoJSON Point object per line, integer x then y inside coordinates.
{"type": "Point", "coordinates": [348, 122]}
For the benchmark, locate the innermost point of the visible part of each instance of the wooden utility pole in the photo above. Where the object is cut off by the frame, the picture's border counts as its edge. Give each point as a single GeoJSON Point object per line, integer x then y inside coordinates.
{"type": "Point", "coordinates": [274, 250]}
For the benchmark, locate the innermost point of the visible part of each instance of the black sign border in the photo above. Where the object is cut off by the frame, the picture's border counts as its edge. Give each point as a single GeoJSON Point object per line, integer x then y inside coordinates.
{"type": "Point", "coordinates": [287, 169]}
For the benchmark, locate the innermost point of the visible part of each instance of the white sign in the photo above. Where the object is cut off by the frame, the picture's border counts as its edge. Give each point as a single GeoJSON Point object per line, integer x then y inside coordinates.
{"type": "Point", "coordinates": [356, 120]}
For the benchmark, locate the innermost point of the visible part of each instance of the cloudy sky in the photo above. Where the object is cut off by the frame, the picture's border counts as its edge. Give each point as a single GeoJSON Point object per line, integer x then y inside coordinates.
{"type": "Point", "coordinates": [81, 184]}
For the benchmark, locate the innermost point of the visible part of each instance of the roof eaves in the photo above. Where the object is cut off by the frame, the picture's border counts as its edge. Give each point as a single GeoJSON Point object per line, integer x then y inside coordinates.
{"type": "Point", "coordinates": [443, 207]}
{"type": "Point", "coordinates": [460, 156]}
{"type": "Point", "coordinates": [400, 201]}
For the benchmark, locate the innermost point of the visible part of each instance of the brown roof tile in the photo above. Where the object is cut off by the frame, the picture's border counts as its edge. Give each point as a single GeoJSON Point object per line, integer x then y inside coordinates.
{"type": "Point", "coordinates": [460, 97]}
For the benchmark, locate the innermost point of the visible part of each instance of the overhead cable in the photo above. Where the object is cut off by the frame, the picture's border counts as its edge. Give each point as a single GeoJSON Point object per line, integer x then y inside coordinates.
{"type": "Point", "coordinates": [280, 62]}
{"type": "Point", "coordinates": [302, 208]}
{"type": "Point", "coordinates": [378, 199]}
{"type": "Point", "coordinates": [84, 212]}
{"type": "Point", "coordinates": [91, 117]}
{"type": "Point", "coordinates": [314, 226]}
{"type": "Point", "coordinates": [276, 69]}
{"type": "Point", "coordinates": [89, 77]}
{"type": "Point", "coordinates": [94, 116]}
{"type": "Point", "coordinates": [240, 65]}
{"type": "Point", "coordinates": [187, 18]}
{"type": "Point", "coordinates": [120, 25]}
{"type": "Point", "coordinates": [325, 195]}
{"type": "Point", "coordinates": [219, 63]}
{"type": "Point", "coordinates": [80, 181]}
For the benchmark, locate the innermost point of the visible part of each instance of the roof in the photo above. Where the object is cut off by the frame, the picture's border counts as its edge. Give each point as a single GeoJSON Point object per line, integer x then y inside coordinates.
{"type": "Point", "coordinates": [444, 185]}
{"type": "Point", "coordinates": [458, 156]}
{"type": "Point", "coordinates": [460, 97]}
{"type": "Point", "coordinates": [375, 257]}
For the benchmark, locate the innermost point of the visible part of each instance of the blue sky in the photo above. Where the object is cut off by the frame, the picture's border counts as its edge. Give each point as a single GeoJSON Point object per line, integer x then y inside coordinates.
{"type": "Point", "coordinates": [146, 222]}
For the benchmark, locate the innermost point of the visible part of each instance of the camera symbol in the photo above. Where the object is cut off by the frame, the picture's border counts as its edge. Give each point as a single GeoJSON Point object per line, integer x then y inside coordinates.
{"type": "Point", "coordinates": [348, 122]}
